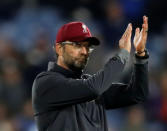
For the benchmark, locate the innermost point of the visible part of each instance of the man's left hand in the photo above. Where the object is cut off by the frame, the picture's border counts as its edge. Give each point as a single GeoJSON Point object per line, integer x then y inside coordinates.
{"type": "Point", "coordinates": [140, 37]}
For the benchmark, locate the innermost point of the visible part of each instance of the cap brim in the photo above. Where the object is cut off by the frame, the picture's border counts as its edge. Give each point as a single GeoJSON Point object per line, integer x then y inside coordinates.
{"type": "Point", "coordinates": [93, 40]}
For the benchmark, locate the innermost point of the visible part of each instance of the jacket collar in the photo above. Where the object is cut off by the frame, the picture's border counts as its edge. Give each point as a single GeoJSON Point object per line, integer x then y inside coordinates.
{"type": "Point", "coordinates": [52, 66]}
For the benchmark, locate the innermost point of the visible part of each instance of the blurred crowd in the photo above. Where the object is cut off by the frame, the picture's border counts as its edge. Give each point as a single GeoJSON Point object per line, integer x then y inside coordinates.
{"type": "Point", "coordinates": [27, 33]}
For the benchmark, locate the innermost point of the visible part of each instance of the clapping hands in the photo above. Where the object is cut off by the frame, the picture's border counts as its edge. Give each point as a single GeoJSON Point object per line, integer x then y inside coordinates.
{"type": "Point", "coordinates": [139, 40]}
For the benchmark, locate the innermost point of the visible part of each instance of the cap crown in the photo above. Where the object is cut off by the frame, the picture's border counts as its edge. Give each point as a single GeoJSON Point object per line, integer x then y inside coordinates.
{"type": "Point", "coordinates": [73, 31]}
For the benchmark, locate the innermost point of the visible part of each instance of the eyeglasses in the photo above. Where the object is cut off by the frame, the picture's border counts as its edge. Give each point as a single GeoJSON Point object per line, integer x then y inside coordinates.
{"type": "Point", "coordinates": [78, 45]}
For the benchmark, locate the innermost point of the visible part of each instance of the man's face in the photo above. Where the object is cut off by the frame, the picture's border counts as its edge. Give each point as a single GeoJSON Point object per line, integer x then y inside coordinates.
{"type": "Point", "coordinates": [76, 56]}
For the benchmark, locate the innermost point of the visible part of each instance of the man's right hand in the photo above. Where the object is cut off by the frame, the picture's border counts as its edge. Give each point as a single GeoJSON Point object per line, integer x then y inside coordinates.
{"type": "Point", "coordinates": [125, 41]}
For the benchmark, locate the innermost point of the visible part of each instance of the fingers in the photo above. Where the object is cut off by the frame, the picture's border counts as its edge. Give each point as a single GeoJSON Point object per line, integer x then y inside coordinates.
{"type": "Point", "coordinates": [145, 24]}
{"type": "Point", "coordinates": [125, 41]}
{"type": "Point", "coordinates": [137, 32]}
{"type": "Point", "coordinates": [140, 37]}
{"type": "Point", "coordinates": [144, 28]}
{"type": "Point", "coordinates": [128, 31]}
{"type": "Point", "coordinates": [137, 36]}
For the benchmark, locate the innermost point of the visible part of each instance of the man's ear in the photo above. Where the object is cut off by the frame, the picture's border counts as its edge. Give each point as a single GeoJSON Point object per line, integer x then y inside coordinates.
{"type": "Point", "coordinates": [58, 48]}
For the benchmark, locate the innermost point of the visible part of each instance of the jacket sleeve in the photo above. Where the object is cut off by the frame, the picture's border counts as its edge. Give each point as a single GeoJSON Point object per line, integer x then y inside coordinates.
{"type": "Point", "coordinates": [120, 95]}
{"type": "Point", "coordinates": [55, 90]}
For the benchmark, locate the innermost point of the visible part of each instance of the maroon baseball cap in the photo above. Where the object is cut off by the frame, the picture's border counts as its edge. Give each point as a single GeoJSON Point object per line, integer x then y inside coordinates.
{"type": "Point", "coordinates": [75, 32]}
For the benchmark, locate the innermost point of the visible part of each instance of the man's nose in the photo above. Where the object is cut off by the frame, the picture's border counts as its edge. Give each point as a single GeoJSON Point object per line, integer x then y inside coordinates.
{"type": "Point", "coordinates": [84, 50]}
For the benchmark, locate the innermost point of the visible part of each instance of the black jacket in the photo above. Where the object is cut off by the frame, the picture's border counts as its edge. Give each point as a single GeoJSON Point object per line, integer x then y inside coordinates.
{"type": "Point", "coordinates": [67, 101]}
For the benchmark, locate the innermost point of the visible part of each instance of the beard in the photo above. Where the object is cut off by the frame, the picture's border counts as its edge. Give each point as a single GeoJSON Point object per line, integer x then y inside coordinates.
{"type": "Point", "coordinates": [76, 64]}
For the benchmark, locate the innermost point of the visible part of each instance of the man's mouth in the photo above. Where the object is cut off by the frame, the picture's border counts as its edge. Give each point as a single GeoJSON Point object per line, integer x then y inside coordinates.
{"type": "Point", "coordinates": [82, 59]}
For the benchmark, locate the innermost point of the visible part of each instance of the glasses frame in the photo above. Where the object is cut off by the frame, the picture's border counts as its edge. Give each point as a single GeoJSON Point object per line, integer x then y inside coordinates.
{"type": "Point", "coordinates": [78, 45]}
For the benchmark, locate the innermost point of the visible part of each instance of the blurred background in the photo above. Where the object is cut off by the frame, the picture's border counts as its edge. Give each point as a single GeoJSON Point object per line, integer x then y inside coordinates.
{"type": "Point", "coordinates": [27, 33]}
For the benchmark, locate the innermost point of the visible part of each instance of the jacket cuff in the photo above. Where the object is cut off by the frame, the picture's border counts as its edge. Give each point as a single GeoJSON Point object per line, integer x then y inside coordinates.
{"type": "Point", "coordinates": [123, 55]}
{"type": "Point", "coordinates": [140, 61]}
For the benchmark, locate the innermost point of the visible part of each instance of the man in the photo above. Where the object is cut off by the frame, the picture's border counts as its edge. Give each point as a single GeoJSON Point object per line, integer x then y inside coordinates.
{"type": "Point", "coordinates": [64, 99]}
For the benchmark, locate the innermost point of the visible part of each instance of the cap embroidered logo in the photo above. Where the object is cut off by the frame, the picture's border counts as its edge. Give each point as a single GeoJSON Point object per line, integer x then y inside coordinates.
{"type": "Point", "coordinates": [84, 28]}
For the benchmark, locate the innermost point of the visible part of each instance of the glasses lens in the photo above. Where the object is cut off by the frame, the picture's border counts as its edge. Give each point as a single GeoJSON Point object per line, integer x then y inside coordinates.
{"type": "Point", "coordinates": [78, 45]}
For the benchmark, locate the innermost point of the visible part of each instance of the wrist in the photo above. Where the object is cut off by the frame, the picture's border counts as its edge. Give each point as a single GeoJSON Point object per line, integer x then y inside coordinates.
{"type": "Point", "coordinates": [143, 55]}
{"type": "Point", "coordinates": [128, 50]}
{"type": "Point", "coordinates": [140, 52]}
